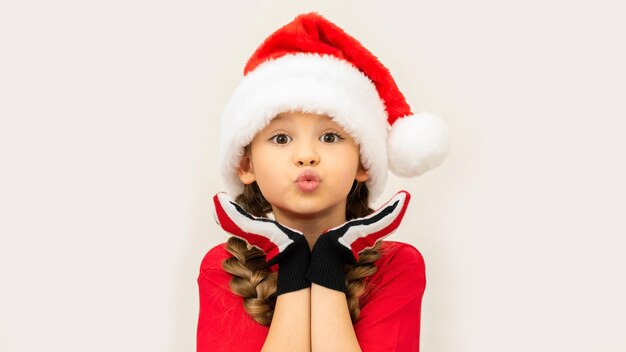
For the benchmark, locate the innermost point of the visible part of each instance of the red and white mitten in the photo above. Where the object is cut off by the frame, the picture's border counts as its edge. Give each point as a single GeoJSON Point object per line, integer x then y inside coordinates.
{"type": "Point", "coordinates": [342, 245]}
{"type": "Point", "coordinates": [282, 245]}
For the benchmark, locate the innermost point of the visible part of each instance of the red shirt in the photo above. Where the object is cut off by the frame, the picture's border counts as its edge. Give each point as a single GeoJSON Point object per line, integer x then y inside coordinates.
{"type": "Point", "coordinates": [390, 307]}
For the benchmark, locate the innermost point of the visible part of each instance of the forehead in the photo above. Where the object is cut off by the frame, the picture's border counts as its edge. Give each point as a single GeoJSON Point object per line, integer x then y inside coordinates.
{"type": "Point", "coordinates": [294, 115]}
{"type": "Point", "coordinates": [304, 119]}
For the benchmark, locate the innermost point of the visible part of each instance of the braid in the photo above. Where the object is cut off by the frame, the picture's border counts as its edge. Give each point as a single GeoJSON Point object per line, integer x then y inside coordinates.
{"type": "Point", "coordinates": [355, 278]}
{"type": "Point", "coordinates": [252, 279]}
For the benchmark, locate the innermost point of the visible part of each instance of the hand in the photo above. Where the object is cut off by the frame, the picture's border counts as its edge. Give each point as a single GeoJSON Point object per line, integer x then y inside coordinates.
{"type": "Point", "coordinates": [283, 246]}
{"type": "Point", "coordinates": [343, 244]}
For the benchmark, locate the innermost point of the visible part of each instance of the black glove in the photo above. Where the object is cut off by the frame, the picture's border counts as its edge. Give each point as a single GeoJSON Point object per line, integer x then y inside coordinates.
{"type": "Point", "coordinates": [342, 245]}
{"type": "Point", "coordinates": [292, 266]}
{"type": "Point", "coordinates": [283, 246]}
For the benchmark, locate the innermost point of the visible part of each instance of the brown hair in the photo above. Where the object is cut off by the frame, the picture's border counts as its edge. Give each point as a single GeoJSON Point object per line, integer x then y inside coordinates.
{"type": "Point", "coordinates": [252, 278]}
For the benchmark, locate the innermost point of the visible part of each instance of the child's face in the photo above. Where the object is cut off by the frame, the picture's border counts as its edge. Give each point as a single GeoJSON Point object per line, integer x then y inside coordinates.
{"type": "Point", "coordinates": [294, 142]}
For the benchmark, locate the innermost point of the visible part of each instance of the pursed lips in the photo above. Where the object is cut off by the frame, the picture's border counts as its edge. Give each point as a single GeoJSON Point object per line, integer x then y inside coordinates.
{"type": "Point", "coordinates": [308, 180]}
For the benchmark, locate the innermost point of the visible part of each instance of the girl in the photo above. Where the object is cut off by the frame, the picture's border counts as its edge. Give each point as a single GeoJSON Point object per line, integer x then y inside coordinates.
{"type": "Point", "coordinates": [306, 142]}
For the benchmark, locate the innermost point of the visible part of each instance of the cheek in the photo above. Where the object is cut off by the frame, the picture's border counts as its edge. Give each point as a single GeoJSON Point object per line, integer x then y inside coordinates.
{"type": "Point", "coordinates": [269, 182]}
{"type": "Point", "coordinates": [270, 176]}
{"type": "Point", "coordinates": [344, 163]}
{"type": "Point", "coordinates": [269, 172]}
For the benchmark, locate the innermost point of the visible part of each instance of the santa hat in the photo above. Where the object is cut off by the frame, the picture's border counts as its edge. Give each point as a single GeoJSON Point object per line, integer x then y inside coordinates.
{"type": "Point", "coordinates": [312, 65]}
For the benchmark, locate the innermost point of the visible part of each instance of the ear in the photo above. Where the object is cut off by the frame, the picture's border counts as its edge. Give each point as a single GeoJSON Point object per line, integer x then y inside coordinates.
{"type": "Point", "coordinates": [361, 174]}
{"type": "Point", "coordinates": [245, 170]}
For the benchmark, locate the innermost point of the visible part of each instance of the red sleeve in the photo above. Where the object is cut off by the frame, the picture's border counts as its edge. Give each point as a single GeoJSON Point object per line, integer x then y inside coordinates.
{"type": "Point", "coordinates": [390, 320]}
{"type": "Point", "coordinates": [223, 324]}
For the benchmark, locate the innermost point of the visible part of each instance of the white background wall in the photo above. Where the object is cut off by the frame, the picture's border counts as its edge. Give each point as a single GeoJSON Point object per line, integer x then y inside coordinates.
{"type": "Point", "coordinates": [109, 112]}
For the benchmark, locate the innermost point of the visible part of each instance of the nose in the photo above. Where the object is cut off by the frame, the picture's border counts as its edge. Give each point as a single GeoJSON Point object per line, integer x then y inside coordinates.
{"type": "Point", "coordinates": [306, 155]}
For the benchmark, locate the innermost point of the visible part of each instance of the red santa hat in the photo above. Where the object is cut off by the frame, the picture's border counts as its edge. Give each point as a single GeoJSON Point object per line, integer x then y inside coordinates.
{"type": "Point", "coordinates": [312, 65]}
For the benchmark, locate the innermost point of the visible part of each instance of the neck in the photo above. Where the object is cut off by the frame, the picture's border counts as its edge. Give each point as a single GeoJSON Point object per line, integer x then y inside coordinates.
{"type": "Point", "coordinates": [311, 225]}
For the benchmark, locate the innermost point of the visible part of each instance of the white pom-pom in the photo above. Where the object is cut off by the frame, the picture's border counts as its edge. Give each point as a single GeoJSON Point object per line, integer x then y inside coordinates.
{"type": "Point", "coordinates": [417, 143]}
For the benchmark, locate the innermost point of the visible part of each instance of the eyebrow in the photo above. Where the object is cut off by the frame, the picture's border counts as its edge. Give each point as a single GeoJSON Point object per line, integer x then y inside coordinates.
{"type": "Point", "coordinates": [279, 118]}
{"type": "Point", "coordinates": [281, 122]}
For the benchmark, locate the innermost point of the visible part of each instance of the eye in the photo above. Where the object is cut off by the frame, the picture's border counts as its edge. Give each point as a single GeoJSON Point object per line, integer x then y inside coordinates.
{"type": "Point", "coordinates": [330, 137]}
{"type": "Point", "coordinates": [280, 138]}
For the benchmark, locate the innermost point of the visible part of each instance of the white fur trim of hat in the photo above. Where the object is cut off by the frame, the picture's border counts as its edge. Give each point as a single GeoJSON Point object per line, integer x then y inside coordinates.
{"type": "Point", "coordinates": [329, 72]}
